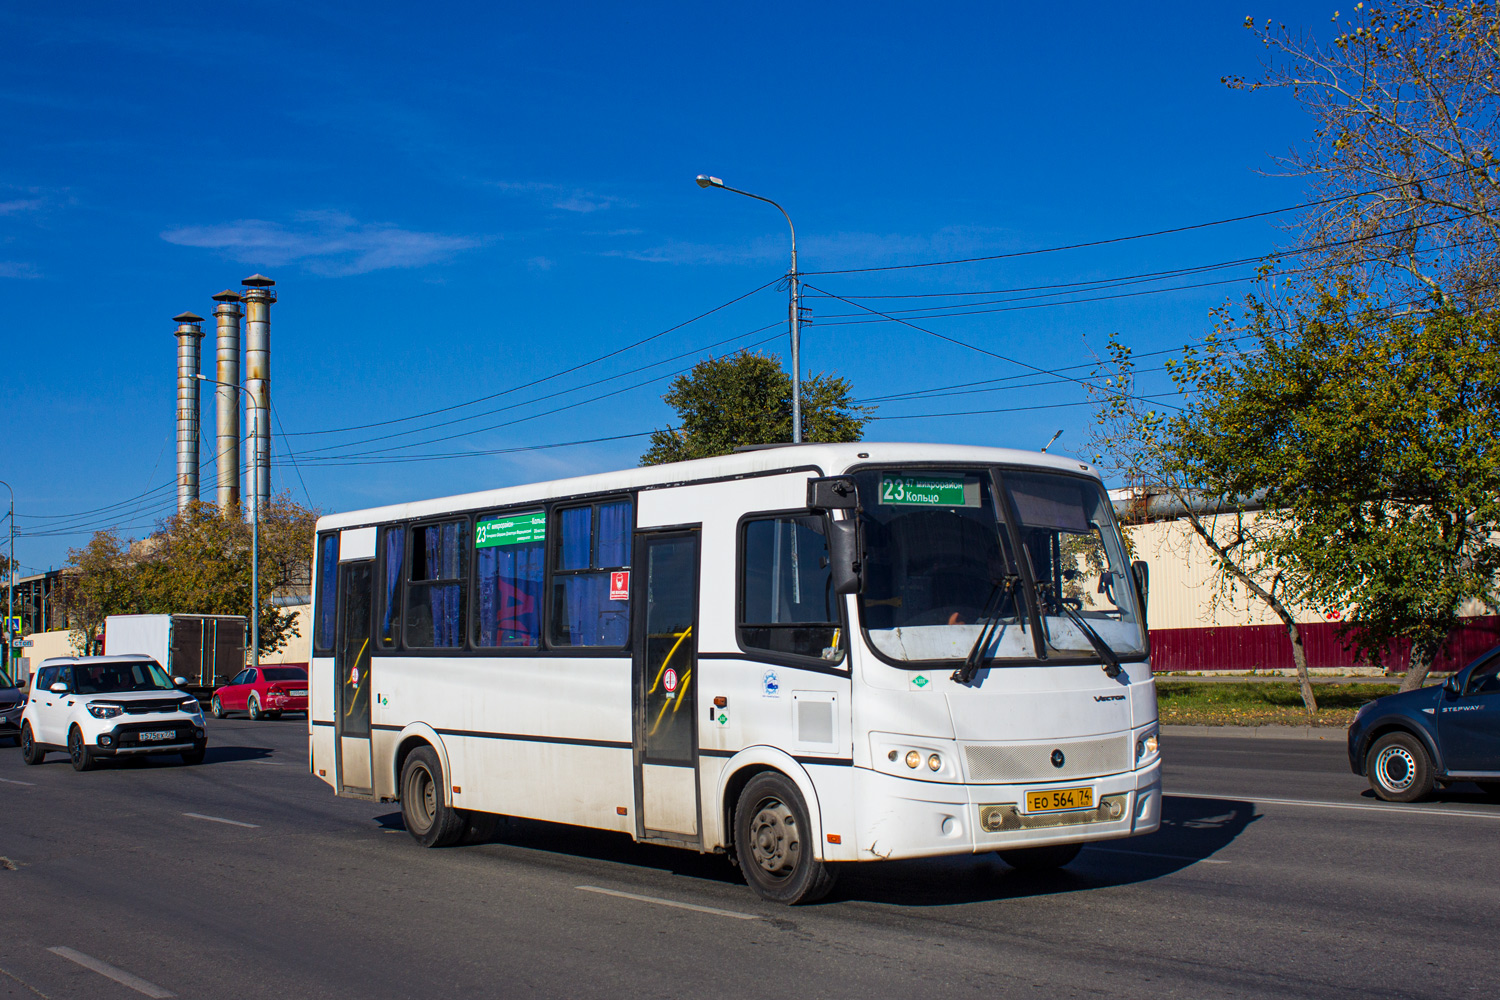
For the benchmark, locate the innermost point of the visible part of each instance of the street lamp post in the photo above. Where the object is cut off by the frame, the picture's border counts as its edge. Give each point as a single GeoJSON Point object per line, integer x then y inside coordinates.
{"type": "Point", "coordinates": [254, 531]}
{"type": "Point", "coordinates": [10, 578]}
{"type": "Point", "coordinates": [705, 181]}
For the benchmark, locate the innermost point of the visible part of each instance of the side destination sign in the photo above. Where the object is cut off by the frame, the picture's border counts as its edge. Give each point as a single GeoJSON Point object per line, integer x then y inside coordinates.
{"type": "Point", "coordinates": [518, 529]}
{"type": "Point", "coordinates": [929, 491]}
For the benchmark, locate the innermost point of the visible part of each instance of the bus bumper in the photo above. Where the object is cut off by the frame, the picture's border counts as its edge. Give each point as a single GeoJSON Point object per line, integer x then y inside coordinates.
{"type": "Point", "coordinates": [905, 818]}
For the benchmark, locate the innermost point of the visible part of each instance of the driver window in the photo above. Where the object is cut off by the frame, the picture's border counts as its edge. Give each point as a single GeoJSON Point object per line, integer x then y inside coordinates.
{"type": "Point", "coordinates": [787, 603]}
{"type": "Point", "coordinates": [1486, 679]}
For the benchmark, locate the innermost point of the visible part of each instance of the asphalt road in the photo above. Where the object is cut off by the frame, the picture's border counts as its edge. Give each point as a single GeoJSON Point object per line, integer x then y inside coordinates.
{"type": "Point", "coordinates": [1275, 875]}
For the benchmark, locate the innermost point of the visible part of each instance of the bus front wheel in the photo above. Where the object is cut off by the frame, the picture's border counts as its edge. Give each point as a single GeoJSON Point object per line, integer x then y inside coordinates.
{"type": "Point", "coordinates": [773, 841]}
{"type": "Point", "coordinates": [430, 821]}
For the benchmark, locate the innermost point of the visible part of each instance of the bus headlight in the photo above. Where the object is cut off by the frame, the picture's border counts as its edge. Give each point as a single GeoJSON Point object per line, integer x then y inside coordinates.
{"type": "Point", "coordinates": [934, 763]}
{"type": "Point", "coordinates": [1147, 746]}
{"type": "Point", "coordinates": [913, 758]}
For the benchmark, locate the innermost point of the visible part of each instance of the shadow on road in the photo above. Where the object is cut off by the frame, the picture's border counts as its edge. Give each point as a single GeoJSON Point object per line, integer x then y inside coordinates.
{"type": "Point", "coordinates": [1192, 830]}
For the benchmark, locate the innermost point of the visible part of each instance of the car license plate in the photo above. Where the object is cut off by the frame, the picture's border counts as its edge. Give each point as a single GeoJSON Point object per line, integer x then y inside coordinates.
{"type": "Point", "coordinates": [298, 694]}
{"type": "Point", "coordinates": [160, 734]}
{"type": "Point", "coordinates": [1056, 799]}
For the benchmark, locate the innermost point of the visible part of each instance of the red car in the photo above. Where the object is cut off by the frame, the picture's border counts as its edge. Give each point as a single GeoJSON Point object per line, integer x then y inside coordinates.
{"type": "Point", "coordinates": [264, 693]}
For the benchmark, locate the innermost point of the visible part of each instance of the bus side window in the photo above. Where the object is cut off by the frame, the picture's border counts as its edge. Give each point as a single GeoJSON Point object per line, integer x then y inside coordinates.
{"type": "Point", "coordinates": [328, 575]}
{"type": "Point", "coordinates": [393, 548]}
{"type": "Point", "coordinates": [591, 547]}
{"type": "Point", "coordinates": [510, 564]}
{"type": "Point", "coordinates": [787, 603]}
{"type": "Point", "coordinates": [437, 589]}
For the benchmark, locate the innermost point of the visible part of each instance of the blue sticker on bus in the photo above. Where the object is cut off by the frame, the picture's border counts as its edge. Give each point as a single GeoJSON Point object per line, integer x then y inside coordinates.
{"type": "Point", "coordinates": [770, 686]}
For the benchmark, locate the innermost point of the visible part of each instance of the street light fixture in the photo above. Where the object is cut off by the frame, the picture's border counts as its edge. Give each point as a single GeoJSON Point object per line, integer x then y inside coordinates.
{"type": "Point", "coordinates": [254, 530]}
{"type": "Point", "coordinates": [705, 181]}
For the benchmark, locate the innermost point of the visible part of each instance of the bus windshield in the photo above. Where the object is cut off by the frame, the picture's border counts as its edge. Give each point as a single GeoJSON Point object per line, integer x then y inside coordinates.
{"type": "Point", "coordinates": [940, 563]}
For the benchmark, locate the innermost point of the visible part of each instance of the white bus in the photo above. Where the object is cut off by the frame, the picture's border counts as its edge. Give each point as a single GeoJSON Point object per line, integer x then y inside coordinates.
{"type": "Point", "coordinates": [798, 655]}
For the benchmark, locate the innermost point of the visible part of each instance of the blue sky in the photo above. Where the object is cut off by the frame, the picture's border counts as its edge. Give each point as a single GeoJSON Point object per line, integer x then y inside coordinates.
{"type": "Point", "coordinates": [457, 201]}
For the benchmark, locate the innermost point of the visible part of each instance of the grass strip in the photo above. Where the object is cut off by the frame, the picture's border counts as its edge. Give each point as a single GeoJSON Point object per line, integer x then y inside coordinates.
{"type": "Point", "coordinates": [1257, 703]}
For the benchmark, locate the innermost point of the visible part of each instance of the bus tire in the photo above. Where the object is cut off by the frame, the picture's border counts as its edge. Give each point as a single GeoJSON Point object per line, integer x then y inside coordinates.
{"type": "Point", "coordinates": [773, 842]}
{"type": "Point", "coordinates": [1040, 859]}
{"type": "Point", "coordinates": [430, 821]}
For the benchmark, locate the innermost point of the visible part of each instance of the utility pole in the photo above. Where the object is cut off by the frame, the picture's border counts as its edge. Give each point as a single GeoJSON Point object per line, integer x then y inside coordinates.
{"type": "Point", "coordinates": [705, 181]}
{"type": "Point", "coordinates": [10, 579]}
{"type": "Point", "coordinates": [254, 525]}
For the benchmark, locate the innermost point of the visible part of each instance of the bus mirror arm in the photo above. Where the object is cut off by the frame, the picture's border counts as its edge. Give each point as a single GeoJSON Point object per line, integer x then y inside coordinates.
{"type": "Point", "coordinates": [1142, 574]}
{"type": "Point", "coordinates": [846, 556]}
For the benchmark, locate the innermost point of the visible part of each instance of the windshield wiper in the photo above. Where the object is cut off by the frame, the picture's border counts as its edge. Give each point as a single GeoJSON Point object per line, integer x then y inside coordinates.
{"type": "Point", "coordinates": [989, 623]}
{"type": "Point", "coordinates": [1111, 664]}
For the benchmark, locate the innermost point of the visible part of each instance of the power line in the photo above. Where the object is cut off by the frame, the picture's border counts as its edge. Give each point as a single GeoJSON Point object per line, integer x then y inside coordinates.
{"type": "Point", "coordinates": [554, 375]}
{"type": "Point", "coordinates": [1138, 236]}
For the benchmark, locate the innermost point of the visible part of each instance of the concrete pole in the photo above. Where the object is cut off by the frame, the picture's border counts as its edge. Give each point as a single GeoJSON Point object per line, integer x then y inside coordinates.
{"type": "Point", "coordinates": [258, 297]}
{"type": "Point", "coordinates": [189, 343]}
{"type": "Point", "coordinates": [227, 399]}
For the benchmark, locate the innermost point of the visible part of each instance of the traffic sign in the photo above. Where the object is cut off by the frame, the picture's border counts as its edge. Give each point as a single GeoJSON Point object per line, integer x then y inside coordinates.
{"type": "Point", "coordinates": [21, 643]}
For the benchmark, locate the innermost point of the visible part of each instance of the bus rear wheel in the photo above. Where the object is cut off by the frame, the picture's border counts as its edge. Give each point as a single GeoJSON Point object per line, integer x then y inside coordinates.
{"type": "Point", "coordinates": [772, 839]}
{"type": "Point", "coordinates": [430, 821]}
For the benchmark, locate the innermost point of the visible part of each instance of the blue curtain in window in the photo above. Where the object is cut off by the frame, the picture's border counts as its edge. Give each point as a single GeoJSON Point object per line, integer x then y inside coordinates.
{"type": "Point", "coordinates": [328, 571]}
{"type": "Point", "coordinates": [510, 594]}
{"type": "Point", "coordinates": [576, 528]}
{"type": "Point", "coordinates": [395, 552]}
{"type": "Point", "coordinates": [592, 618]}
{"type": "Point", "coordinates": [441, 548]}
{"type": "Point", "coordinates": [614, 534]}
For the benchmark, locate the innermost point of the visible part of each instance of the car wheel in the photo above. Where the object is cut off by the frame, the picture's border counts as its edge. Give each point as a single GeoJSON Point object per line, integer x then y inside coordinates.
{"type": "Point", "coordinates": [1398, 768]}
{"type": "Point", "coordinates": [254, 708]}
{"type": "Point", "coordinates": [193, 756]}
{"type": "Point", "coordinates": [773, 842]}
{"type": "Point", "coordinates": [216, 708]}
{"type": "Point", "coordinates": [78, 751]}
{"type": "Point", "coordinates": [1040, 859]}
{"type": "Point", "coordinates": [430, 821]}
{"type": "Point", "coordinates": [30, 752]}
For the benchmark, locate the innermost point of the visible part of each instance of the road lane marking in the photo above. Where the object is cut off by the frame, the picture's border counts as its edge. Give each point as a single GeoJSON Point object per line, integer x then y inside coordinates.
{"type": "Point", "coordinates": [1392, 810]}
{"type": "Point", "coordinates": [13, 781]}
{"type": "Point", "coordinates": [671, 902]}
{"type": "Point", "coordinates": [1150, 854]}
{"type": "Point", "coordinates": [220, 819]}
{"type": "Point", "coordinates": [110, 972]}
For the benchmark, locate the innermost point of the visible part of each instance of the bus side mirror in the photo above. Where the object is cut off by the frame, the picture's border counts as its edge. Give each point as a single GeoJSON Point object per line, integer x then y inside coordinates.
{"type": "Point", "coordinates": [1142, 574]}
{"type": "Point", "coordinates": [846, 560]}
{"type": "Point", "coordinates": [832, 493]}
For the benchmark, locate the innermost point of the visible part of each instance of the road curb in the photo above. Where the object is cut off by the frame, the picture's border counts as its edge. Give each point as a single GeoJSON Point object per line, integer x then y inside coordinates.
{"type": "Point", "coordinates": [1325, 734]}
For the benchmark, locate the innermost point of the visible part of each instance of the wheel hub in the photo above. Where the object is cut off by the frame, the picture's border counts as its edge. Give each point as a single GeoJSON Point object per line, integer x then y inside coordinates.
{"type": "Point", "coordinates": [775, 844]}
{"type": "Point", "coordinates": [1397, 768]}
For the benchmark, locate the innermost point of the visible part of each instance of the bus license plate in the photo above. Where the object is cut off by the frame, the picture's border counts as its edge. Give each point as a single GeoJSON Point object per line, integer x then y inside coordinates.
{"type": "Point", "coordinates": [161, 734]}
{"type": "Point", "coordinates": [1055, 799]}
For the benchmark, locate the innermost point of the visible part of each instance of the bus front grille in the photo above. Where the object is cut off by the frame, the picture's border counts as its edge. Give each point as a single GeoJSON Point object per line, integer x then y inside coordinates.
{"type": "Point", "coordinates": [1021, 762]}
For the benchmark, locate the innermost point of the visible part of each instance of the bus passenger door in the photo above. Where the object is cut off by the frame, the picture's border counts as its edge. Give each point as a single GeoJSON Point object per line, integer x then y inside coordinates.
{"type": "Point", "coordinates": [352, 670]}
{"type": "Point", "coordinates": [664, 665]}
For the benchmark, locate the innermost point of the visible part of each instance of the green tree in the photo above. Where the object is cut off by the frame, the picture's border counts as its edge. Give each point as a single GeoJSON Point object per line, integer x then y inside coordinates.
{"type": "Point", "coordinates": [1372, 435]}
{"type": "Point", "coordinates": [725, 403]}
{"type": "Point", "coordinates": [1182, 458]}
{"type": "Point", "coordinates": [198, 562]}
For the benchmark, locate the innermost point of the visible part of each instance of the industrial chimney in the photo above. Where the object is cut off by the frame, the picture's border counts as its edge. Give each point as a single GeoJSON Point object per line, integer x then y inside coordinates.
{"type": "Point", "coordinates": [258, 297]}
{"type": "Point", "coordinates": [189, 338]}
{"type": "Point", "coordinates": [227, 399]}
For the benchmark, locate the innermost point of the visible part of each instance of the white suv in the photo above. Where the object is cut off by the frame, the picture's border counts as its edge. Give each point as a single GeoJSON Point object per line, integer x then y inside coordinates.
{"type": "Point", "coordinates": [108, 706]}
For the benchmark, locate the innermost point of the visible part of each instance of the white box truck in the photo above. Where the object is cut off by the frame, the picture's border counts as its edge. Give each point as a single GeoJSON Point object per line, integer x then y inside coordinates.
{"type": "Point", "coordinates": [206, 650]}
